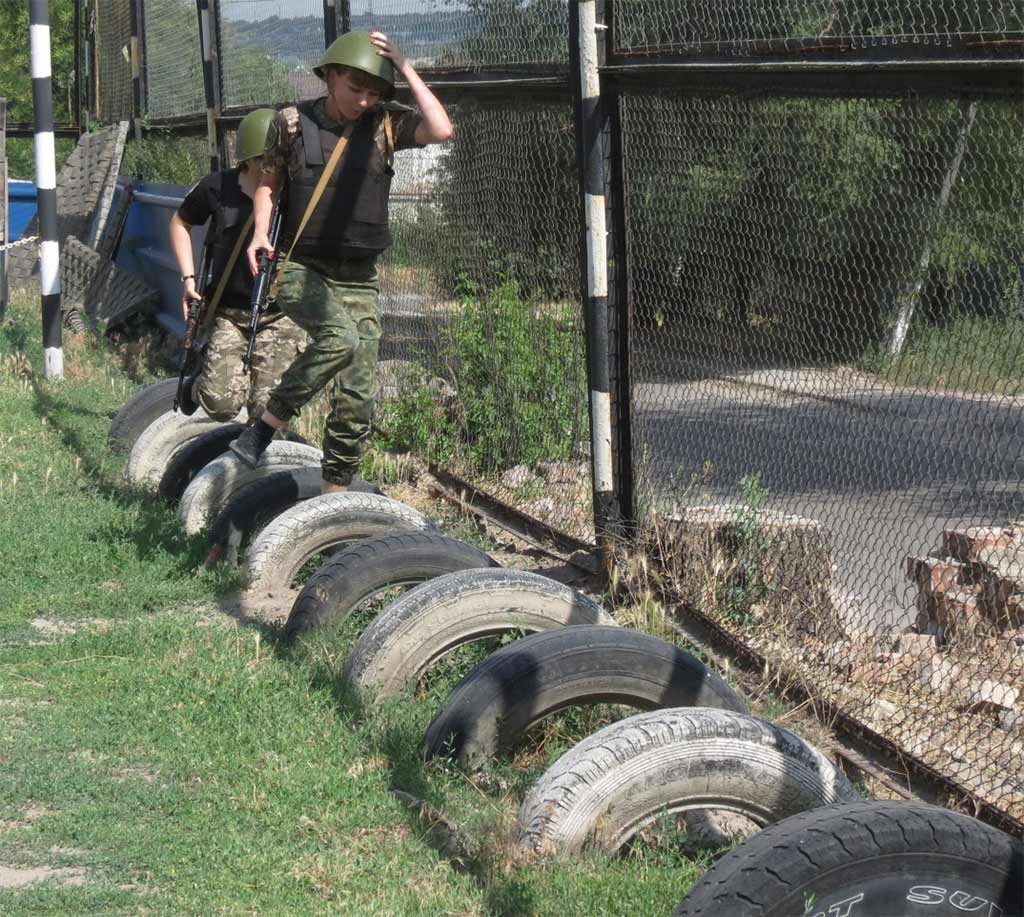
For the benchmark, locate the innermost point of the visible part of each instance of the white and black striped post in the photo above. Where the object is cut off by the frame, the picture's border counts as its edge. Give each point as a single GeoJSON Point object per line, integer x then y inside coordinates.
{"type": "Point", "coordinates": [583, 27]}
{"type": "Point", "coordinates": [207, 35]}
{"type": "Point", "coordinates": [46, 188]}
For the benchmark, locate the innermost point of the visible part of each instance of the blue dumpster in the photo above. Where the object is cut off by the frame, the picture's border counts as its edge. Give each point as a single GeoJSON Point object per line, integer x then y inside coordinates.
{"type": "Point", "coordinates": [21, 206]}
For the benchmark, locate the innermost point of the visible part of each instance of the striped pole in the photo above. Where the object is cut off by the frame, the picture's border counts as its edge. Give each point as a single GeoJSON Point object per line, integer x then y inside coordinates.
{"type": "Point", "coordinates": [590, 161]}
{"type": "Point", "coordinates": [587, 90]}
{"type": "Point", "coordinates": [46, 188]}
{"type": "Point", "coordinates": [206, 39]}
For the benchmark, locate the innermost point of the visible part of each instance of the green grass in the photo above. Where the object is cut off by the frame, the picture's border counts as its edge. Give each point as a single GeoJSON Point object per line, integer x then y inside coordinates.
{"type": "Point", "coordinates": [981, 355]}
{"type": "Point", "coordinates": [187, 764]}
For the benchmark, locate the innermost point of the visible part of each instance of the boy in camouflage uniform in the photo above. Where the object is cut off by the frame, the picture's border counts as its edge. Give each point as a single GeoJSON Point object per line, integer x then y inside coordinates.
{"type": "Point", "coordinates": [225, 199]}
{"type": "Point", "coordinates": [329, 284]}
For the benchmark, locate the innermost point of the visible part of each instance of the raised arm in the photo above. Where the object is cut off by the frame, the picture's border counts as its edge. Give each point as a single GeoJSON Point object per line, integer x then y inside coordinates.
{"type": "Point", "coordinates": [435, 126]}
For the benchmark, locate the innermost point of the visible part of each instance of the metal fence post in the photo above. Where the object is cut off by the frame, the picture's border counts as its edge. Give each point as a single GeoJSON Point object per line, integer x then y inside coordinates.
{"type": "Point", "coordinates": [134, 55]}
{"type": "Point", "coordinates": [345, 16]}
{"type": "Point", "coordinates": [46, 187]}
{"type": "Point", "coordinates": [619, 296]}
{"type": "Point", "coordinates": [589, 118]}
{"type": "Point", "coordinates": [207, 39]}
{"type": "Point", "coordinates": [330, 22]}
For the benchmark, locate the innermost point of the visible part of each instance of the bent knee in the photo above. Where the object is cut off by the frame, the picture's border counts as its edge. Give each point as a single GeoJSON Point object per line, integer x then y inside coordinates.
{"type": "Point", "coordinates": [218, 406]}
{"type": "Point", "coordinates": [336, 342]}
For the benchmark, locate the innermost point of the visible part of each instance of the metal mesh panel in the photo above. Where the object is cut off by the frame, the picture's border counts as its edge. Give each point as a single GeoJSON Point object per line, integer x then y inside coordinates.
{"type": "Point", "coordinates": [480, 294]}
{"type": "Point", "coordinates": [174, 63]}
{"type": "Point", "coordinates": [474, 34]}
{"type": "Point", "coordinates": [739, 26]}
{"type": "Point", "coordinates": [113, 62]}
{"type": "Point", "coordinates": [269, 49]}
{"type": "Point", "coordinates": [817, 492]}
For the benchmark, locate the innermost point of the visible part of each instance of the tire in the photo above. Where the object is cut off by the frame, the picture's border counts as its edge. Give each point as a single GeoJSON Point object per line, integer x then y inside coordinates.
{"type": "Point", "coordinates": [296, 536]}
{"type": "Point", "coordinates": [512, 690]}
{"type": "Point", "coordinates": [254, 505]}
{"type": "Point", "coordinates": [613, 783]}
{"type": "Point", "coordinates": [433, 619]}
{"type": "Point", "coordinates": [905, 859]}
{"type": "Point", "coordinates": [209, 490]}
{"type": "Point", "coordinates": [193, 457]}
{"type": "Point", "coordinates": [366, 568]}
{"type": "Point", "coordinates": [139, 411]}
{"type": "Point", "coordinates": [157, 444]}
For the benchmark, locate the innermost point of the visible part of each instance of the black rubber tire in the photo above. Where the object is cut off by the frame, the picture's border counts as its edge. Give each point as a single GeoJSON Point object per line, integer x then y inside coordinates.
{"type": "Point", "coordinates": [193, 457]}
{"type": "Point", "coordinates": [209, 491]}
{"type": "Point", "coordinates": [253, 506]}
{"type": "Point", "coordinates": [600, 793]}
{"type": "Point", "coordinates": [900, 859]}
{"type": "Point", "coordinates": [438, 616]}
{"type": "Point", "coordinates": [366, 568]}
{"type": "Point", "coordinates": [139, 411]}
{"type": "Point", "coordinates": [316, 527]}
{"type": "Point", "coordinates": [490, 710]}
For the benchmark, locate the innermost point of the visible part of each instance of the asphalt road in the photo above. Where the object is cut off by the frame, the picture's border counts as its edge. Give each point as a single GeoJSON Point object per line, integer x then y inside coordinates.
{"type": "Point", "coordinates": [884, 469]}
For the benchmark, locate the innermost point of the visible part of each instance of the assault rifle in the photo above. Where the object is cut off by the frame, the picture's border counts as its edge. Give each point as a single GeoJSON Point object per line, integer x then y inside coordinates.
{"type": "Point", "coordinates": [262, 284]}
{"type": "Point", "coordinates": [192, 360]}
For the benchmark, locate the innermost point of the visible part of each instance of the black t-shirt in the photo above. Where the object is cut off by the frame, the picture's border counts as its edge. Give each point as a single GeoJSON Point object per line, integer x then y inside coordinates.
{"type": "Point", "coordinates": [220, 196]}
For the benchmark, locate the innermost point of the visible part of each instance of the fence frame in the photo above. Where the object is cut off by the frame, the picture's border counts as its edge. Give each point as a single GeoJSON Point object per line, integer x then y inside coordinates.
{"type": "Point", "coordinates": [877, 72]}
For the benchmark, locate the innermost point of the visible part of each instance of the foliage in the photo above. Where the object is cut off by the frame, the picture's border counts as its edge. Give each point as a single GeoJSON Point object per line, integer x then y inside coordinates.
{"type": "Point", "coordinates": [513, 214]}
{"type": "Point", "coordinates": [163, 156]}
{"type": "Point", "coordinates": [519, 384]}
{"type": "Point", "coordinates": [969, 353]}
{"type": "Point", "coordinates": [15, 74]}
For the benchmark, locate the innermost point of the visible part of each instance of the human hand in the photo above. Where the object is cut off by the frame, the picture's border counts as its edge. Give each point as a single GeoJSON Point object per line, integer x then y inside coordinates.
{"type": "Point", "coordinates": [388, 50]}
{"type": "Point", "coordinates": [259, 243]}
{"type": "Point", "coordinates": [188, 295]}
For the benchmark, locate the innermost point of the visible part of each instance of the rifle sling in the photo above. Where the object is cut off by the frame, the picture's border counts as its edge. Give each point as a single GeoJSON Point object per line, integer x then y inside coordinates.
{"type": "Point", "coordinates": [243, 237]}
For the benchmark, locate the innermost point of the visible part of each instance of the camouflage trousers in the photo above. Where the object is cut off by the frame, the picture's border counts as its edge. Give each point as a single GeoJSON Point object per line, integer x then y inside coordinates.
{"type": "Point", "coordinates": [223, 387]}
{"type": "Point", "coordinates": [335, 302]}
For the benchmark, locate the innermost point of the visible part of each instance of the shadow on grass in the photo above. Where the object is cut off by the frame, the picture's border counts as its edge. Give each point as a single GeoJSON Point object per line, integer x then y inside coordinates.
{"type": "Point", "coordinates": [393, 730]}
{"type": "Point", "coordinates": [150, 532]}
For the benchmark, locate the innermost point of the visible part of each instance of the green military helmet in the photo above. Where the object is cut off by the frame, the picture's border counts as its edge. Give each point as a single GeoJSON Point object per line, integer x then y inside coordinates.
{"type": "Point", "coordinates": [357, 50]}
{"type": "Point", "coordinates": [257, 134]}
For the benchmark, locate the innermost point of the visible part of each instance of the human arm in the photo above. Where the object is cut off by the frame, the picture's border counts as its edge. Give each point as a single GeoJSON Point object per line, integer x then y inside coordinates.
{"type": "Point", "coordinates": [181, 245]}
{"type": "Point", "coordinates": [435, 125]}
{"type": "Point", "coordinates": [262, 208]}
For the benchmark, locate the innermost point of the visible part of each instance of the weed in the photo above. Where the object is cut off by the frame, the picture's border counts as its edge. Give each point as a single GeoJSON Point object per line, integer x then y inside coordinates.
{"type": "Point", "coordinates": [520, 395]}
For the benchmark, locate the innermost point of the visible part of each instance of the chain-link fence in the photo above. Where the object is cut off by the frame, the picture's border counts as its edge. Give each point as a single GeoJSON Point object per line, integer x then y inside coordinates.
{"type": "Point", "coordinates": [174, 62]}
{"type": "Point", "coordinates": [473, 36]}
{"type": "Point", "coordinates": [481, 298]}
{"type": "Point", "coordinates": [112, 30]}
{"type": "Point", "coordinates": [800, 454]}
{"type": "Point", "coordinates": [752, 26]}
{"type": "Point", "coordinates": [268, 51]}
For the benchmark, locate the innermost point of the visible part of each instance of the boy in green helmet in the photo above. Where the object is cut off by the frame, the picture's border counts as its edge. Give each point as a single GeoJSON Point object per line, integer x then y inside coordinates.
{"type": "Point", "coordinates": [225, 199]}
{"type": "Point", "coordinates": [328, 285]}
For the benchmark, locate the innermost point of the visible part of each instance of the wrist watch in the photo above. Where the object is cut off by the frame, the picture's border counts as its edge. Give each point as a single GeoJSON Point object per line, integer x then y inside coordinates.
{"type": "Point", "coordinates": [185, 277]}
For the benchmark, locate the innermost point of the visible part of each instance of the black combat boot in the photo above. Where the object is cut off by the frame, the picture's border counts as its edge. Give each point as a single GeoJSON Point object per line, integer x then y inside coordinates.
{"type": "Point", "coordinates": [252, 442]}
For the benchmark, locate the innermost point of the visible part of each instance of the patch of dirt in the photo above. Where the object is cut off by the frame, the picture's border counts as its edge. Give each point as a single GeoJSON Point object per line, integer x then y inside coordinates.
{"type": "Point", "coordinates": [13, 877]}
